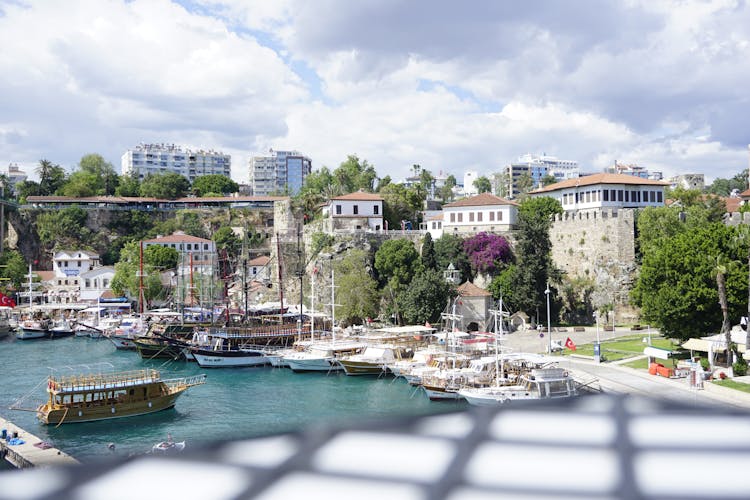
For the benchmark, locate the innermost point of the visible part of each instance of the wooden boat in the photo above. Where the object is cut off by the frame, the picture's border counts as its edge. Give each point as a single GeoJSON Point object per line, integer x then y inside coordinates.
{"type": "Point", "coordinates": [228, 358]}
{"type": "Point", "coordinates": [85, 398]}
{"type": "Point", "coordinates": [158, 347]}
{"type": "Point", "coordinates": [322, 356]}
{"type": "Point", "coordinates": [374, 360]}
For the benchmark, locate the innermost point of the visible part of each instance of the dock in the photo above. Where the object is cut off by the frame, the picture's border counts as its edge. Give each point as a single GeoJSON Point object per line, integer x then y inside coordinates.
{"type": "Point", "coordinates": [34, 452]}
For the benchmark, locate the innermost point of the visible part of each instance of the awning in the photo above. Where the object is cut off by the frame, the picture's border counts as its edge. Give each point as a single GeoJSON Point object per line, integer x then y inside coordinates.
{"type": "Point", "coordinates": [702, 345]}
{"type": "Point", "coordinates": [655, 352]}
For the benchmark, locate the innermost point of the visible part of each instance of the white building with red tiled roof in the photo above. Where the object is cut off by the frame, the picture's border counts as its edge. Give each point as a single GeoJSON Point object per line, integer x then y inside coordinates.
{"type": "Point", "coordinates": [355, 211]}
{"type": "Point", "coordinates": [606, 191]}
{"type": "Point", "coordinates": [484, 212]}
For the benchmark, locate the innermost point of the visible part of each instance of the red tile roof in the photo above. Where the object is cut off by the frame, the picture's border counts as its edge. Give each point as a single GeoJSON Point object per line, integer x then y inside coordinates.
{"type": "Point", "coordinates": [482, 199]}
{"type": "Point", "coordinates": [590, 180]}
{"type": "Point", "coordinates": [469, 289]}
{"type": "Point", "coordinates": [359, 196]}
{"type": "Point", "coordinates": [732, 204]}
{"type": "Point", "coordinates": [178, 238]}
{"type": "Point", "coordinates": [259, 261]}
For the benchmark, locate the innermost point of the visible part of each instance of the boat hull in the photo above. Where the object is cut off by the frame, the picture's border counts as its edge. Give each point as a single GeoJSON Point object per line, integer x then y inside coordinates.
{"type": "Point", "coordinates": [313, 364]}
{"type": "Point", "coordinates": [123, 343]}
{"type": "Point", "coordinates": [25, 333]}
{"type": "Point", "coordinates": [228, 359]}
{"type": "Point", "coordinates": [105, 412]}
{"type": "Point", "coordinates": [158, 350]}
{"type": "Point", "coordinates": [441, 394]}
{"type": "Point", "coordinates": [363, 368]}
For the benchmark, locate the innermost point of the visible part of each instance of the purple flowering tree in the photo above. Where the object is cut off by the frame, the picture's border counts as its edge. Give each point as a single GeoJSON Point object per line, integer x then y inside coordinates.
{"type": "Point", "coordinates": [488, 253]}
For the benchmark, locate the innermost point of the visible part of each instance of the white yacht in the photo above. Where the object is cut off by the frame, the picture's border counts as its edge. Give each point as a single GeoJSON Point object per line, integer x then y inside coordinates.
{"type": "Point", "coordinates": [540, 383]}
{"type": "Point", "coordinates": [322, 356]}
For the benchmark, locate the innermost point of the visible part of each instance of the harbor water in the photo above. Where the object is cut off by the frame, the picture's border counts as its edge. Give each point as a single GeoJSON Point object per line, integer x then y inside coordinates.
{"type": "Point", "coordinates": [234, 402]}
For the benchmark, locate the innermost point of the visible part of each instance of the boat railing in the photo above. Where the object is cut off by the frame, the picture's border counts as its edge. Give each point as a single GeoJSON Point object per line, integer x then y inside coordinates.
{"type": "Point", "coordinates": [175, 383]}
{"type": "Point", "coordinates": [102, 380]}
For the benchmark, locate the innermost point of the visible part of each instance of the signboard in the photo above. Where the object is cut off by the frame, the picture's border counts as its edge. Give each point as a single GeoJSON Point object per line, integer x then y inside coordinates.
{"type": "Point", "coordinates": [597, 352]}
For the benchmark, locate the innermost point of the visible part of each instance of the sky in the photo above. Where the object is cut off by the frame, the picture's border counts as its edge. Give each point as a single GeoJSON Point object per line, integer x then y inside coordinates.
{"type": "Point", "coordinates": [451, 86]}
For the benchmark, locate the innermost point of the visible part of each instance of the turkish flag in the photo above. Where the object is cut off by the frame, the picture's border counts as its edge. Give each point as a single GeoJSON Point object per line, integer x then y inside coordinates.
{"type": "Point", "coordinates": [7, 301]}
{"type": "Point", "coordinates": [570, 344]}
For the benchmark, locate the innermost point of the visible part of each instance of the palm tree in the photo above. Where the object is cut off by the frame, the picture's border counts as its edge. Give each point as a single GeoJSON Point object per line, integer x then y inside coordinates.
{"type": "Point", "coordinates": [743, 239]}
{"type": "Point", "coordinates": [721, 269]}
{"type": "Point", "coordinates": [44, 171]}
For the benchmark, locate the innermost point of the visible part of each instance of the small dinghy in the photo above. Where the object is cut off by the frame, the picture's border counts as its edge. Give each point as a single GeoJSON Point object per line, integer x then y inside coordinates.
{"type": "Point", "coordinates": [168, 446]}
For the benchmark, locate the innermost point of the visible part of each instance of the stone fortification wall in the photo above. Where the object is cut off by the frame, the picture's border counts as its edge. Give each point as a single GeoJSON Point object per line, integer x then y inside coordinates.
{"type": "Point", "coordinates": [737, 218]}
{"type": "Point", "coordinates": [599, 245]}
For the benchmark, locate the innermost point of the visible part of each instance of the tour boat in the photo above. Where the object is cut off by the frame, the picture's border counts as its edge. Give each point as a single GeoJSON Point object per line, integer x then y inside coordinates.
{"type": "Point", "coordinates": [84, 398]}
{"type": "Point", "coordinates": [374, 360]}
{"type": "Point", "coordinates": [445, 384]}
{"type": "Point", "coordinates": [542, 383]}
{"type": "Point", "coordinates": [227, 358]}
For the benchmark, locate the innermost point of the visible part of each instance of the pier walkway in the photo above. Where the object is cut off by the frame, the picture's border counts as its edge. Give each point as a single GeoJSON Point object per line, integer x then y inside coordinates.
{"type": "Point", "coordinates": [33, 452]}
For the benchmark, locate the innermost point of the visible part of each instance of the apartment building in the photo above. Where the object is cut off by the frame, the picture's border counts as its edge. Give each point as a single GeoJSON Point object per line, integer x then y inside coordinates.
{"type": "Point", "coordinates": [278, 172]}
{"type": "Point", "coordinates": [154, 159]}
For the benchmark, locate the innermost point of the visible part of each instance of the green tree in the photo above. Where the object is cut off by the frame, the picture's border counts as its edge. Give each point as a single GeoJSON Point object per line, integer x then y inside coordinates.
{"type": "Point", "coordinates": [161, 257]}
{"type": "Point", "coordinates": [724, 187]}
{"type": "Point", "coordinates": [548, 179]}
{"type": "Point", "coordinates": [483, 184]}
{"type": "Point", "coordinates": [51, 177]}
{"type": "Point", "coordinates": [65, 228]}
{"type": "Point", "coordinates": [446, 191]}
{"type": "Point", "coordinates": [24, 189]}
{"type": "Point", "coordinates": [428, 253]}
{"type": "Point", "coordinates": [397, 261]}
{"type": "Point", "coordinates": [425, 298]}
{"type": "Point", "coordinates": [106, 179]}
{"type": "Point", "coordinates": [524, 184]}
{"type": "Point", "coordinates": [80, 185]}
{"type": "Point", "coordinates": [677, 288]}
{"type": "Point", "coordinates": [214, 184]}
{"type": "Point", "coordinates": [400, 204]}
{"type": "Point", "coordinates": [13, 270]}
{"type": "Point", "coordinates": [357, 295]}
{"type": "Point", "coordinates": [353, 175]}
{"type": "Point", "coordinates": [500, 184]}
{"type": "Point", "coordinates": [128, 186]}
{"type": "Point", "coordinates": [126, 280]}
{"type": "Point", "coordinates": [167, 186]}
{"type": "Point", "coordinates": [226, 239]}
{"type": "Point", "coordinates": [534, 266]}
{"type": "Point", "coordinates": [449, 249]}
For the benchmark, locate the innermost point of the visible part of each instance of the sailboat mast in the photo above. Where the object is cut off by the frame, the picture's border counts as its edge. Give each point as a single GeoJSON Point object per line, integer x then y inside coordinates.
{"type": "Point", "coordinates": [140, 279]}
{"type": "Point", "coordinates": [300, 270]}
{"type": "Point", "coordinates": [312, 304]}
{"type": "Point", "coordinates": [333, 307]}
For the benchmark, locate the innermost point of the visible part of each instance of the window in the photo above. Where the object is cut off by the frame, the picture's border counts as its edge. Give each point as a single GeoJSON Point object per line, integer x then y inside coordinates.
{"type": "Point", "coordinates": [87, 283]}
{"type": "Point", "coordinates": [375, 209]}
{"type": "Point", "coordinates": [205, 246]}
{"type": "Point", "coordinates": [651, 196]}
{"type": "Point", "coordinates": [492, 216]}
{"type": "Point", "coordinates": [659, 197]}
{"type": "Point", "coordinates": [377, 228]}
{"type": "Point", "coordinates": [105, 283]}
{"type": "Point", "coordinates": [471, 216]}
{"type": "Point", "coordinates": [79, 263]}
{"type": "Point", "coordinates": [606, 195]}
{"type": "Point", "coordinates": [338, 209]}
{"type": "Point", "coordinates": [453, 217]}
{"type": "Point", "coordinates": [619, 195]}
{"type": "Point", "coordinates": [612, 195]}
{"type": "Point", "coordinates": [627, 196]}
{"type": "Point", "coordinates": [460, 217]}
{"type": "Point", "coordinates": [499, 215]}
{"type": "Point", "coordinates": [355, 210]}
{"type": "Point", "coordinates": [479, 216]}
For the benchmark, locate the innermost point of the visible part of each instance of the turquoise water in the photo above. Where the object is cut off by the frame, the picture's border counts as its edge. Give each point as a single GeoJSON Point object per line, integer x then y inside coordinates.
{"type": "Point", "coordinates": [235, 402]}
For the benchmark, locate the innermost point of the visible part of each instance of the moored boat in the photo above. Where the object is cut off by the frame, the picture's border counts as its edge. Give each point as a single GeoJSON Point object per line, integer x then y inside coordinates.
{"type": "Point", "coordinates": [541, 383]}
{"type": "Point", "coordinates": [32, 329]}
{"type": "Point", "coordinates": [374, 360]}
{"type": "Point", "coordinates": [322, 356]}
{"type": "Point", "coordinates": [84, 398]}
{"type": "Point", "coordinates": [60, 329]}
{"type": "Point", "coordinates": [228, 358]}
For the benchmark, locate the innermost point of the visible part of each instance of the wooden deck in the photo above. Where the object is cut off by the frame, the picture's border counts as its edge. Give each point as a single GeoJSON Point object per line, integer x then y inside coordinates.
{"type": "Point", "coordinates": [27, 454]}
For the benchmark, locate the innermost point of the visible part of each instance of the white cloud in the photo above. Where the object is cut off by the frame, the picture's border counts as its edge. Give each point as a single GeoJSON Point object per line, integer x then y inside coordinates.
{"type": "Point", "coordinates": [429, 82]}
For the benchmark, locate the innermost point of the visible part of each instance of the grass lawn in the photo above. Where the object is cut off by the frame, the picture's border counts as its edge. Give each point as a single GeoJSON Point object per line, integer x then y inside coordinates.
{"type": "Point", "coordinates": [740, 386]}
{"type": "Point", "coordinates": [623, 347]}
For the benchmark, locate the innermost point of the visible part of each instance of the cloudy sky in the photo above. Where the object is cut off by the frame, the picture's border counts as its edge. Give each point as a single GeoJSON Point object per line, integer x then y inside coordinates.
{"type": "Point", "coordinates": [448, 85]}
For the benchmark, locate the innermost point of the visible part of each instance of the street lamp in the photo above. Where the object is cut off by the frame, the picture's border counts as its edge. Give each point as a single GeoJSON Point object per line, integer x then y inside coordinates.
{"type": "Point", "coordinates": [597, 346]}
{"type": "Point", "coordinates": [549, 328]}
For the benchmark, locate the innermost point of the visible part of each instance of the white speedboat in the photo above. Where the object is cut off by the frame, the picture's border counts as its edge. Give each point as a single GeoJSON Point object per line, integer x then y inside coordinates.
{"type": "Point", "coordinates": [322, 356]}
{"type": "Point", "coordinates": [168, 447]}
{"type": "Point", "coordinates": [32, 329]}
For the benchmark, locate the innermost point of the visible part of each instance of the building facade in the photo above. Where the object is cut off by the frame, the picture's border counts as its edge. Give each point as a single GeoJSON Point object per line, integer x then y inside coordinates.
{"type": "Point", "coordinates": [355, 211]}
{"type": "Point", "coordinates": [95, 282]}
{"type": "Point", "coordinates": [481, 213]}
{"type": "Point", "coordinates": [606, 191]}
{"type": "Point", "coordinates": [155, 159]}
{"type": "Point", "coordinates": [634, 170]}
{"type": "Point", "coordinates": [537, 167]}
{"type": "Point", "coordinates": [279, 172]}
{"type": "Point", "coordinates": [197, 255]}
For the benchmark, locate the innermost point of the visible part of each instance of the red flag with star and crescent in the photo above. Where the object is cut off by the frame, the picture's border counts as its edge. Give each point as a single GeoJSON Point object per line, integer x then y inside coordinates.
{"type": "Point", "coordinates": [570, 344]}
{"type": "Point", "coordinates": [6, 301]}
